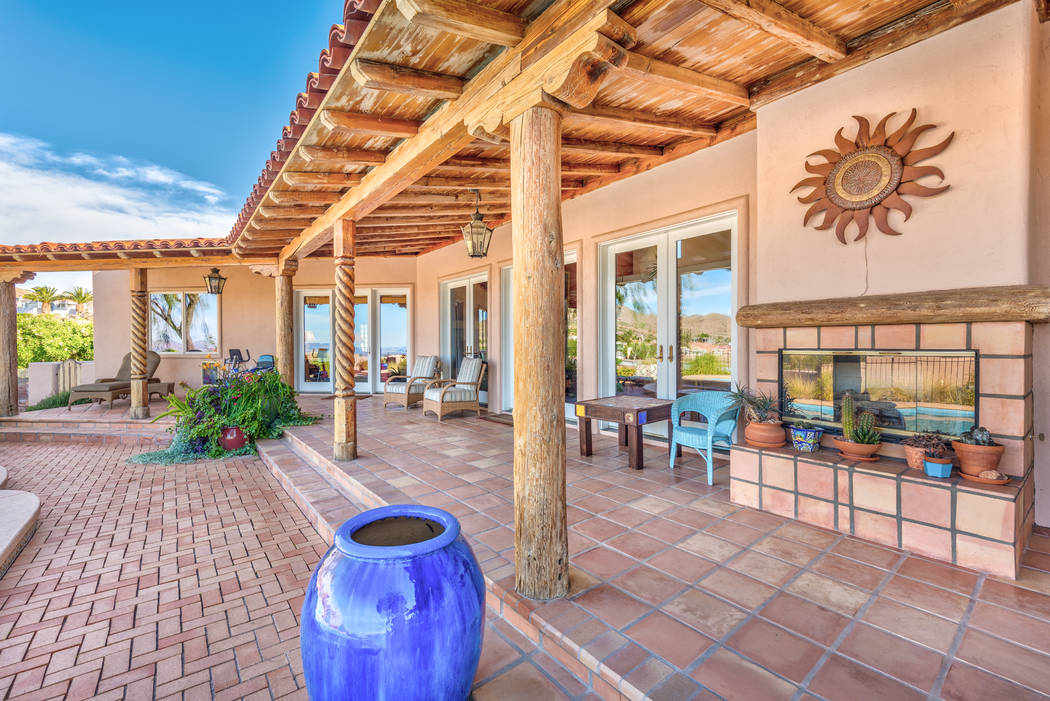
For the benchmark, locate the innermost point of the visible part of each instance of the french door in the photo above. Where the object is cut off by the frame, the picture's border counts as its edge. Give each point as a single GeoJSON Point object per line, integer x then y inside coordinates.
{"type": "Point", "coordinates": [465, 325]}
{"type": "Point", "coordinates": [667, 304]}
{"type": "Point", "coordinates": [381, 341]}
{"type": "Point", "coordinates": [571, 336]}
{"type": "Point", "coordinates": [313, 347]}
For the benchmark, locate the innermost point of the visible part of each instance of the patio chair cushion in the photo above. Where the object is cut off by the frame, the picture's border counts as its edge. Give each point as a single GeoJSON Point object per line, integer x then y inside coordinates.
{"type": "Point", "coordinates": [124, 372]}
{"type": "Point", "coordinates": [424, 366]}
{"type": "Point", "coordinates": [454, 394]}
{"type": "Point", "coordinates": [102, 387]}
{"type": "Point", "coordinates": [469, 371]}
{"type": "Point", "coordinates": [402, 387]}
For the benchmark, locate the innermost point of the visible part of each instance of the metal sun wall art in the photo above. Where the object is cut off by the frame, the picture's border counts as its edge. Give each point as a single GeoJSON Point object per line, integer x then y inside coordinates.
{"type": "Point", "coordinates": [866, 177]}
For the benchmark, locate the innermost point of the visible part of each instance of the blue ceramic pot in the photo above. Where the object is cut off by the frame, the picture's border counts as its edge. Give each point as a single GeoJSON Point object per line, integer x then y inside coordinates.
{"type": "Point", "coordinates": [395, 610]}
{"type": "Point", "coordinates": [940, 470]}
{"type": "Point", "coordinates": [806, 440]}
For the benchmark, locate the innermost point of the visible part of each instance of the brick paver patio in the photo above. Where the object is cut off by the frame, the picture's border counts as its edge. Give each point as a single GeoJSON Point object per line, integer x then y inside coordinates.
{"type": "Point", "coordinates": [186, 581]}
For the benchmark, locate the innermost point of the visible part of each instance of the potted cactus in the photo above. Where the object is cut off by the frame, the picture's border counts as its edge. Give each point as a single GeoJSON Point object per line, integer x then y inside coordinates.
{"type": "Point", "coordinates": [764, 428]}
{"type": "Point", "coordinates": [860, 440]}
{"type": "Point", "coordinates": [919, 445]}
{"type": "Point", "coordinates": [977, 451]}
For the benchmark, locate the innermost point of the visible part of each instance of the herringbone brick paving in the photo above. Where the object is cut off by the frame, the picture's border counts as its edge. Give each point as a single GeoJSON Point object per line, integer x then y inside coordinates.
{"type": "Point", "coordinates": [151, 581]}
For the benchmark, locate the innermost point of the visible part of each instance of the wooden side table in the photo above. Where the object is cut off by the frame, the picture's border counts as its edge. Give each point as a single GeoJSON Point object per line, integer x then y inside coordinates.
{"type": "Point", "coordinates": [631, 413]}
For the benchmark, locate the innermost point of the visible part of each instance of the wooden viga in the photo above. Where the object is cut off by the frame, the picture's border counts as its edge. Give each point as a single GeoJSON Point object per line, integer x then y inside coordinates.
{"type": "Point", "coordinates": [343, 358]}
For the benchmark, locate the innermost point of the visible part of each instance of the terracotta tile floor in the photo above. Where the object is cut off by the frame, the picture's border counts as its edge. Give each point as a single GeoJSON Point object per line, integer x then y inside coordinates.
{"type": "Point", "coordinates": [180, 581]}
{"type": "Point", "coordinates": [152, 580]}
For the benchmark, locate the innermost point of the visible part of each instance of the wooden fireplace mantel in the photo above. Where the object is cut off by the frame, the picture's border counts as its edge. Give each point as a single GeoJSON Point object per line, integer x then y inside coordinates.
{"type": "Point", "coordinates": [1006, 303]}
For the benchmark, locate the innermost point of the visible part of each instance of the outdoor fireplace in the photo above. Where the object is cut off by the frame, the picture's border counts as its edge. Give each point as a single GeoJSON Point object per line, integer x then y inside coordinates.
{"type": "Point", "coordinates": [907, 391]}
{"type": "Point", "coordinates": [925, 374]}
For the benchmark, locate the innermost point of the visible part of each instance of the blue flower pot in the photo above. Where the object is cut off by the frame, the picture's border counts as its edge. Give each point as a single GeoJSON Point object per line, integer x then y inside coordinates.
{"type": "Point", "coordinates": [806, 440]}
{"type": "Point", "coordinates": [937, 469]}
{"type": "Point", "coordinates": [395, 610]}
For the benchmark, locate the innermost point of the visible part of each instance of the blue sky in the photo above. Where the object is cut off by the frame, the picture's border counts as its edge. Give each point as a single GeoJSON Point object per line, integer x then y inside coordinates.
{"type": "Point", "coordinates": [144, 119]}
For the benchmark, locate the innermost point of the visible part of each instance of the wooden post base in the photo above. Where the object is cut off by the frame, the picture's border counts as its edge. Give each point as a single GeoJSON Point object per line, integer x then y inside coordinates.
{"type": "Point", "coordinates": [8, 350]}
{"type": "Point", "coordinates": [344, 445]}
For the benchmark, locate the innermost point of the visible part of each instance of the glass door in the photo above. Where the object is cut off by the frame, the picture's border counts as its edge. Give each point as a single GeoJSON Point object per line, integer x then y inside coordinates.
{"type": "Point", "coordinates": [571, 336]}
{"type": "Point", "coordinates": [465, 327]}
{"type": "Point", "coordinates": [667, 304]}
{"type": "Point", "coordinates": [314, 341]}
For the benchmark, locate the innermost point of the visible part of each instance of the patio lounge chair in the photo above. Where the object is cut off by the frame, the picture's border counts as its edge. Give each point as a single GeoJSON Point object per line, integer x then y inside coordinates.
{"type": "Point", "coordinates": [721, 417]}
{"type": "Point", "coordinates": [461, 394]}
{"type": "Point", "coordinates": [113, 387]}
{"type": "Point", "coordinates": [410, 390]}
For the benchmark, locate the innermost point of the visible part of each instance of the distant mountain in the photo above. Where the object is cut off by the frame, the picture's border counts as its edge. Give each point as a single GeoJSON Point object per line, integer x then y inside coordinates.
{"type": "Point", "coordinates": [712, 324]}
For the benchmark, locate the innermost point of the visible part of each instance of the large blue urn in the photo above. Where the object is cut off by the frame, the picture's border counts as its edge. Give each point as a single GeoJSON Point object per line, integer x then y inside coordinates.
{"type": "Point", "coordinates": [395, 610]}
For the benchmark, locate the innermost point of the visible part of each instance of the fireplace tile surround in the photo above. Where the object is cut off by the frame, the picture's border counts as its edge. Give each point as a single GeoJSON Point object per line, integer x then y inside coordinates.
{"type": "Point", "coordinates": [984, 527]}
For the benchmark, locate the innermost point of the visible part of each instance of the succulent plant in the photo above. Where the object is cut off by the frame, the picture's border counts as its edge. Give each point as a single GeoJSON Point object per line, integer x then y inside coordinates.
{"type": "Point", "coordinates": [759, 407]}
{"type": "Point", "coordinates": [977, 435]}
{"type": "Point", "coordinates": [847, 417]}
{"type": "Point", "coordinates": [866, 435]}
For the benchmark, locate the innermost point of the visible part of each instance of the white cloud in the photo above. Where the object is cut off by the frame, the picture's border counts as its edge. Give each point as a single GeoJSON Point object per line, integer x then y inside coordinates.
{"type": "Point", "coordinates": [50, 196]}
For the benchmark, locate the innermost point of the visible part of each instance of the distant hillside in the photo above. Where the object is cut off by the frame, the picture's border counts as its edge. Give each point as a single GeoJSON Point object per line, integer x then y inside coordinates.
{"type": "Point", "coordinates": [712, 324]}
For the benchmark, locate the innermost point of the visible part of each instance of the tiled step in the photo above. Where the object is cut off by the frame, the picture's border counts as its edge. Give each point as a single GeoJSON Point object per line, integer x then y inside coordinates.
{"type": "Point", "coordinates": [97, 435]}
{"type": "Point", "coordinates": [330, 492]}
{"type": "Point", "coordinates": [18, 516]}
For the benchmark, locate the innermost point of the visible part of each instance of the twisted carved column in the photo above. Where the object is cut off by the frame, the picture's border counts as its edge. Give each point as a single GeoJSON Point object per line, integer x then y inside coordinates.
{"type": "Point", "coordinates": [139, 323]}
{"type": "Point", "coordinates": [345, 443]}
{"type": "Point", "coordinates": [541, 549]}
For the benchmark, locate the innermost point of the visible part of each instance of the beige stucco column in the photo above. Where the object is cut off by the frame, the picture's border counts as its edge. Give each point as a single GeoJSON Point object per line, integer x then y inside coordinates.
{"type": "Point", "coordinates": [285, 345]}
{"type": "Point", "coordinates": [139, 326]}
{"type": "Point", "coordinates": [9, 340]}
{"type": "Point", "coordinates": [345, 440]}
{"type": "Point", "coordinates": [541, 547]}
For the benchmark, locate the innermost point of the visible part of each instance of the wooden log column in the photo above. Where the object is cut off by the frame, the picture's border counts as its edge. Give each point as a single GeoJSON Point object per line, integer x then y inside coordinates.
{"type": "Point", "coordinates": [285, 329]}
{"type": "Point", "coordinates": [540, 533]}
{"type": "Point", "coordinates": [8, 347]}
{"type": "Point", "coordinates": [345, 444]}
{"type": "Point", "coordinates": [139, 325]}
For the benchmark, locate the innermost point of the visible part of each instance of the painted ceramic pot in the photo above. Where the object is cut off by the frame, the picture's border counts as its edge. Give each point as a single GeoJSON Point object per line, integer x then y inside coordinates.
{"type": "Point", "coordinates": [232, 438]}
{"type": "Point", "coordinates": [394, 610]}
{"type": "Point", "coordinates": [806, 440]}
{"type": "Point", "coordinates": [940, 468]}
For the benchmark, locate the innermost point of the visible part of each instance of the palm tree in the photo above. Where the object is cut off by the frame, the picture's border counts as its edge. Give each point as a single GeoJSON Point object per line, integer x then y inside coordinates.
{"type": "Point", "coordinates": [79, 296]}
{"type": "Point", "coordinates": [44, 294]}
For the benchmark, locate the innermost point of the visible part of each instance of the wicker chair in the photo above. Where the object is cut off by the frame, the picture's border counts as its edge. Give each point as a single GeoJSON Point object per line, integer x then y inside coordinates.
{"type": "Point", "coordinates": [721, 415]}
{"type": "Point", "coordinates": [461, 394]}
{"type": "Point", "coordinates": [410, 391]}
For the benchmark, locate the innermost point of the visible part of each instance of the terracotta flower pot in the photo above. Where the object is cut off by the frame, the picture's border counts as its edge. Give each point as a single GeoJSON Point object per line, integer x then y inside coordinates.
{"type": "Point", "coordinates": [914, 456]}
{"type": "Point", "coordinates": [765, 435]}
{"type": "Point", "coordinates": [975, 459]}
{"type": "Point", "coordinates": [232, 438]}
{"type": "Point", "coordinates": [860, 451]}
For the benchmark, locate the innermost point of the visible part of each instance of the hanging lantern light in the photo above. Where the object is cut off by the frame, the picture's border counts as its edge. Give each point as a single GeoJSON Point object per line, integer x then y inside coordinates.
{"type": "Point", "coordinates": [215, 282]}
{"type": "Point", "coordinates": [476, 235]}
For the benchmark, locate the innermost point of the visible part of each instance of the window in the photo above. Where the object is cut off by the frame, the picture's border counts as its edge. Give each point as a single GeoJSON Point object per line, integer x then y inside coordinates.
{"type": "Point", "coordinates": [184, 322]}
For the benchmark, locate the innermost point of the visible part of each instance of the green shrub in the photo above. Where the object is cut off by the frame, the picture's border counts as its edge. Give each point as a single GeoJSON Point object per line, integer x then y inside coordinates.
{"type": "Point", "coordinates": [705, 364]}
{"type": "Point", "coordinates": [44, 338]}
{"type": "Point", "coordinates": [257, 402]}
{"type": "Point", "coordinates": [55, 401]}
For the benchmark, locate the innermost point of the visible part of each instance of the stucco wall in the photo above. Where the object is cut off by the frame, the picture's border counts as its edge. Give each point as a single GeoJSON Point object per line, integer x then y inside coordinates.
{"type": "Point", "coordinates": [246, 310]}
{"type": "Point", "coordinates": [974, 80]}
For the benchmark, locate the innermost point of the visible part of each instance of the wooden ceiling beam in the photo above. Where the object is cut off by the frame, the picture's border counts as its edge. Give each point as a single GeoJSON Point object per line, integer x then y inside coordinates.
{"type": "Point", "coordinates": [630, 119]}
{"type": "Point", "coordinates": [464, 198]}
{"type": "Point", "coordinates": [299, 179]}
{"type": "Point", "coordinates": [360, 123]}
{"type": "Point", "coordinates": [296, 197]}
{"type": "Point", "coordinates": [465, 19]}
{"type": "Point", "coordinates": [410, 229]}
{"type": "Point", "coordinates": [394, 210]}
{"type": "Point", "coordinates": [600, 148]}
{"type": "Point", "coordinates": [343, 156]}
{"type": "Point", "coordinates": [502, 165]}
{"type": "Point", "coordinates": [657, 72]}
{"type": "Point", "coordinates": [276, 224]}
{"type": "Point", "coordinates": [778, 21]}
{"type": "Point", "coordinates": [290, 212]}
{"type": "Point", "coordinates": [407, 81]}
{"type": "Point", "coordinates": [374, 222]}
{"type": "Point", "coordinates": [907, 31]}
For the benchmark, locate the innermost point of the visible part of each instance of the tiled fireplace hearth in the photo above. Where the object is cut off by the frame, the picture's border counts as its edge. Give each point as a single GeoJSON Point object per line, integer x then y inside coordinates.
{"type": "Point", "coordinates": [984, 527]}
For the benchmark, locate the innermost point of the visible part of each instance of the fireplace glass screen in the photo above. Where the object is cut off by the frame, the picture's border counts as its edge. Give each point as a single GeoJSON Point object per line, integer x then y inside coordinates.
{"type": "Point", "coordinates": [907, 391]}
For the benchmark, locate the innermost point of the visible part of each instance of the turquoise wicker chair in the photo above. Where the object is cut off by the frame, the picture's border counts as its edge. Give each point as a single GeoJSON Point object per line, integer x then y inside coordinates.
{"type": "Point", "coordinates": [718, 409]}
